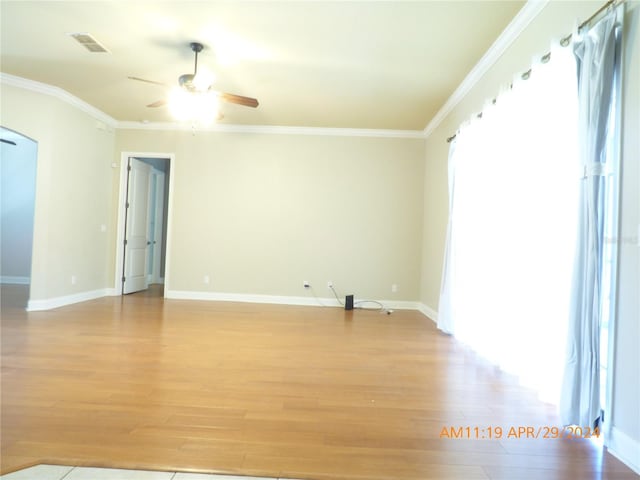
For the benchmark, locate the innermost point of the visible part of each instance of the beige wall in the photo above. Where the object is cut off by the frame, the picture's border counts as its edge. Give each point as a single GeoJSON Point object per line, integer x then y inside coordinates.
{"type": "Point", "coordinates": [554, 21]}
{"type": "Point", "coordinates": [257, 213]}
{"type": "Point", "coordinates": [626, 367]}
{"type": "Point", "coordinates": [261, 213]}
{"type": "Point", "coordinates": [73, 199]}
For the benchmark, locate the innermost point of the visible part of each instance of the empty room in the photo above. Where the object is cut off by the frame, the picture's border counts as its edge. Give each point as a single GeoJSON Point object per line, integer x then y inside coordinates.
{"type": "Point", "coordinates": [320, 240]}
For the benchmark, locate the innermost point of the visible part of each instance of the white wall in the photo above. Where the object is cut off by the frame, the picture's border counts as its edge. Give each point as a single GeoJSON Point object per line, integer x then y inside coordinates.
{"type": "Point", "coordinates": [556, 20]}
{"type": "Point", "coordinates": [625, 408]}
{"type": "Point", "coordinates": [17, 205]}
{"type": "Point", "coordinates": [73, 193]}
{"type": "Point", "coordinates": [261, 213]}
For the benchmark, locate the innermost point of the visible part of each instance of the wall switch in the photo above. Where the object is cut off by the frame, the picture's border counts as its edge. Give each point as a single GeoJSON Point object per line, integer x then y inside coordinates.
{"type": "Point", "coordinates": [329, 284]}
{"type": "Point", "coordinates": [73, 279]}
{"type": "Point", "coordinates": [394, 288]}
{"type": "Point", "coordinates": [206, 279]}
{"type": "Point", "coordinates": [305, 284]}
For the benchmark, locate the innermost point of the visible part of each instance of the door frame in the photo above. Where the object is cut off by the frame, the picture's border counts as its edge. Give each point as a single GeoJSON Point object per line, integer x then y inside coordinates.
{"type": "Point", "coordinates": [120, 228]}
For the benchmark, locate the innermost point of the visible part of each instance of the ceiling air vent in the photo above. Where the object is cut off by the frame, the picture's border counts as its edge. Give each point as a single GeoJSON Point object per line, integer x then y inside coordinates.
{"type": "Point", "coordinates": [88, 42]}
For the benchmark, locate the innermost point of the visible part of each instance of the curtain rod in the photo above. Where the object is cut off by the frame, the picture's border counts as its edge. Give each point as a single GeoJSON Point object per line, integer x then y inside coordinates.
{"type": "Point", "coordinates": [596, 13]}
{"type": "Point", "coordinates": [564, 42]}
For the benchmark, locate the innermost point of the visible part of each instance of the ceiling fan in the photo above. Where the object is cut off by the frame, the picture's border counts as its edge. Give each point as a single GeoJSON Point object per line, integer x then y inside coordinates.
{"type": "Point", "coordinates": [192, 84]}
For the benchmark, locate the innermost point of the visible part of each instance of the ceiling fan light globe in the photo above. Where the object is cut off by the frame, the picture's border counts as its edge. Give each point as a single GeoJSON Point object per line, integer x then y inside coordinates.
{"type": "Point", "coordinates": [202, 80]}
{"type": "Point", "coordinates": [180, 104]}
{"type": "Point", "coordinates": [208, 109]}
{"type": "Point", "coordinates": [197, 107]}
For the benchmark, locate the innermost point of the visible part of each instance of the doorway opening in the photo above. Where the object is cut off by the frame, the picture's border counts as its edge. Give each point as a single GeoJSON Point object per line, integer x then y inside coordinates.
{"type": "Point", "coordinates": [18, 161]}
{"type": "Point", "coordinates": [143, 223]}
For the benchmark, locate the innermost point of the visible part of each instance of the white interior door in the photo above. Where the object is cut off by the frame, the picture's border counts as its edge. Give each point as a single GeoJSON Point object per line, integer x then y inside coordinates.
{"type": "Point", "coordinates": [136, 240]}
{"type": "Point", "coordinates": [158, 226]}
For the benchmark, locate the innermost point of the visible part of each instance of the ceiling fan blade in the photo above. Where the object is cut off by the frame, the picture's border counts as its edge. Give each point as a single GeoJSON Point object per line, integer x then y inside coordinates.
{"type": "Point", "coordinates": [159, 103]}
{"type": "Point", "coordinates": [239, 99]}
{"type": "Point", "coordinates": [147, 81]}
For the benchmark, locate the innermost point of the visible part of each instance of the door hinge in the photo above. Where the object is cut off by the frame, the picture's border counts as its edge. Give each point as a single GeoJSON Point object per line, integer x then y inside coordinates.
{"type": "Point", "coordinates": [125, 242]}
{"type": "Point", "coordinates": [128, 168]}
{"type": "Point", "coordinates": [127, 205]}
{"type": "Point", "coordinates": [123, 279]}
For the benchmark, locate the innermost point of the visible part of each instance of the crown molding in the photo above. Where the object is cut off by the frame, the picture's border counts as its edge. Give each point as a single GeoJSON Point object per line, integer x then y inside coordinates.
{"type": "Point", "coordinates": [524, 17]}
{"type": "Point", "coordinates": [58, 93]}
{"type": "Point", "coordinates": [530, 11]}
{"type": "Point", "coordinates": [63, 95]}
{"type": "Point", "coordinates": [273, 130]}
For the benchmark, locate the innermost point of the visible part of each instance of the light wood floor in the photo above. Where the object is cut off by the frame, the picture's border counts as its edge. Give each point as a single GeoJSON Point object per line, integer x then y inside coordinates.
{"type": "Point", "coordinates": [299, 392]}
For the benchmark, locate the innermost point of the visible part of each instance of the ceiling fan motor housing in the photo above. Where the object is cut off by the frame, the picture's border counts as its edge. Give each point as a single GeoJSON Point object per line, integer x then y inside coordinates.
{"type": "Point", "coordinates": [192, 83]}
{"type": "Point", "coordinates": [186, 81]}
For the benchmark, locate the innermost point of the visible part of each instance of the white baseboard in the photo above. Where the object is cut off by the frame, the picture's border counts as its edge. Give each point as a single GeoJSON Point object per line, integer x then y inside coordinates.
{"type": "Point", "coordinates": [246, 298]}
{"type": "Point", "coordinates": [15, 280]}
{"type": "Point", "coordinates": [49, 303]}
{"type": "Point", "coordinates": [398, 304]}
{"type": "Point", "coordinates": [625, 448]}
{"type": "Point", "coordinates": [428, 312]}
{"type": "Point", "coordinates": [277, 299]}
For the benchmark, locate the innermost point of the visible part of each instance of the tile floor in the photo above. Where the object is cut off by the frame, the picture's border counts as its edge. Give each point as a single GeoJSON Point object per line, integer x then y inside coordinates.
{"type": "Point", "coordinates": [59, 472]}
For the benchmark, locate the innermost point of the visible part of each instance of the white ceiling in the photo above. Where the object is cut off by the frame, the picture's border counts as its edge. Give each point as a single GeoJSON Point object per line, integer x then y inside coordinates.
{"type": "Point", "coordinates": [359, 64]}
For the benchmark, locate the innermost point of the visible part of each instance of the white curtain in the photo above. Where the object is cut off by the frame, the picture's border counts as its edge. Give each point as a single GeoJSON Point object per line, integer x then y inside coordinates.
{"type": "Point", "coordinates": [596, 54]}
{"type": "Point", "coordinates": [511, 234]}
{"type": "Point", "coordinates": [445, 306]}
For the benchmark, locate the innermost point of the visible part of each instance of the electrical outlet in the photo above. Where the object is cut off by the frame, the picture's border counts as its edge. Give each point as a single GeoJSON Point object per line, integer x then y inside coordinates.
{"type": "Point", "coordinates": [74, 279]}
{"type": "Point", "coordinates": [305, 284]}
{"type": "Point", "coordinates": [329, 284]}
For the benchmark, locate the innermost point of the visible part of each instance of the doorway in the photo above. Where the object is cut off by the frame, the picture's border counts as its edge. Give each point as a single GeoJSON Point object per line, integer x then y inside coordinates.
{"type": "Point", "coordinates": [157, 218]}
{"type": "Point", "coordinates": [143, 222]}
{"type": "Point", "coordinates": [18, 161]}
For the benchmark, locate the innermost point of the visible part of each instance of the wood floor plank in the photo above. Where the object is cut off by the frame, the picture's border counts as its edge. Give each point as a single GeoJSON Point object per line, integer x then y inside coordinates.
{"type": "Point", "coordinates": [265, 390]}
